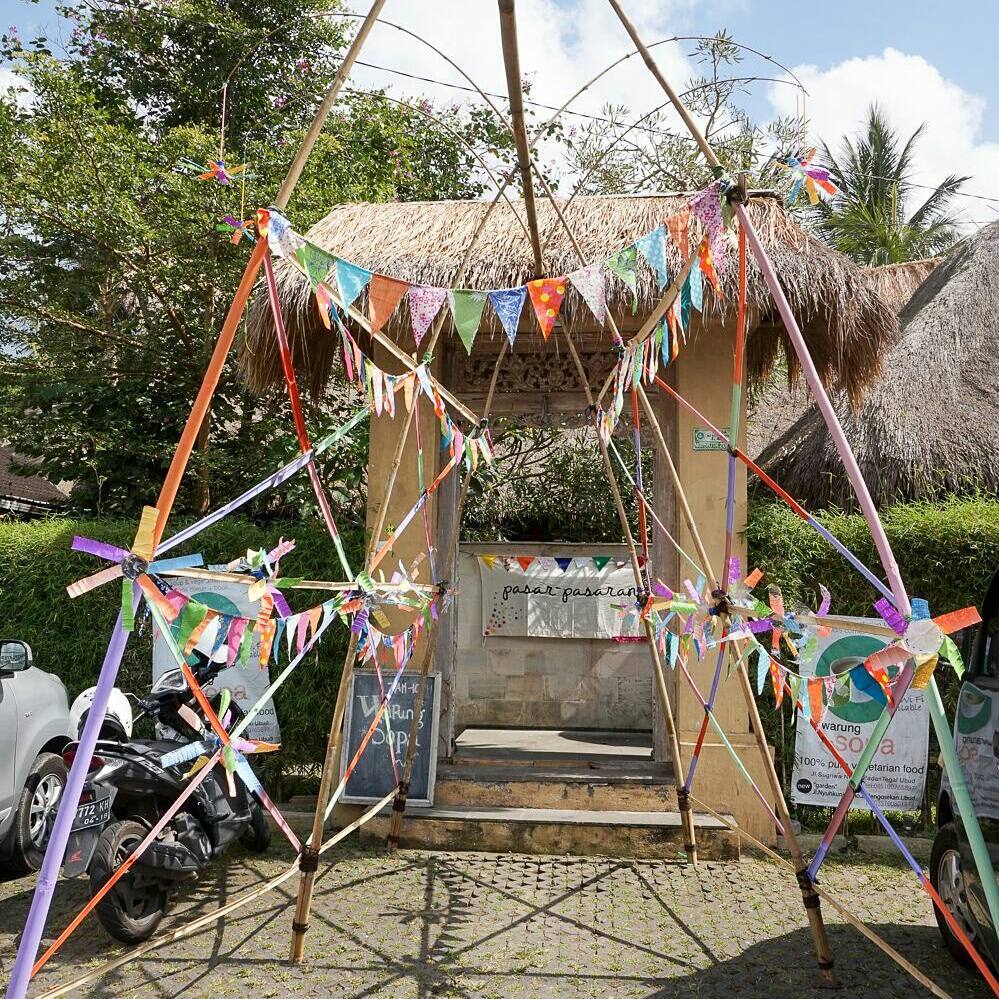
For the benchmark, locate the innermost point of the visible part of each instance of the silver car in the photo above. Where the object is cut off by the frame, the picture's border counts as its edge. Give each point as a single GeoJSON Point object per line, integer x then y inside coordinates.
{"type": "Point", "coordinates": [34, 731]}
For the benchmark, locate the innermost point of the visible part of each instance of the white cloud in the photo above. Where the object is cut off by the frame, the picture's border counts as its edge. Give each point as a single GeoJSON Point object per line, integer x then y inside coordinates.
{"type": "Point", "coordinates": [910, 91]}
{"type": "Point", "coordinates": [560, 49]}
{"type": "Point", "coordinates": [11, 80]}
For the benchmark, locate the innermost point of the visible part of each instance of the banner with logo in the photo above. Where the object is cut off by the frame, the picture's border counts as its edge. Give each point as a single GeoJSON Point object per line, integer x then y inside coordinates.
{"type": "Point", "coordinates": [976, 739]}
{"type": "Point", "coordinates": [536, 597]}
{"type": "Point", "coordinates": [897, 776]}
{"type": "Point", "coordinates": [247, 682]}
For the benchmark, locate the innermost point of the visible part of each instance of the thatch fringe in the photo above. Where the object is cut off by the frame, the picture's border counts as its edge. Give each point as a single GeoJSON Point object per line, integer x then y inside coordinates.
{"type": "Point", "coordinates": [897, 283]}
{"type": "Point", "coordinates": [848, 328]}
{"type": "Point", "coordinates": [927, 429]}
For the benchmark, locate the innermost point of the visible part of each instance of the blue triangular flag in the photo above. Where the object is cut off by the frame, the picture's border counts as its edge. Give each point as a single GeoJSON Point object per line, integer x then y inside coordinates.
{"type": "Point", "coordinates": [762, 668]}
{"type": "Point", "coordinates": [653, 247]}
{"type": "Point", "coordinates": [351, 280]}
{"type": "Point", "coordinates": [685, 304]}
{"type": "Point", "coordinates": [507, 304]}
{"type": "Point", "coordinates": [563, 563]}
{"type": "Point", "coordinates": [696, 288]}
{"type": "Point", "coordinates": [277, 638]}
{"type": "Point", "coordinates": [222, 635]}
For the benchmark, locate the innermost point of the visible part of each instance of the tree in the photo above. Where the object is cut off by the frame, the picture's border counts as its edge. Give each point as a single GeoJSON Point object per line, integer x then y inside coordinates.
{"type": "Point", "coordinates": [869, 219]}
{"type": "Point", "coordinates": [621, 155]}
{"type": "Point", "coordinates": [114, 278]}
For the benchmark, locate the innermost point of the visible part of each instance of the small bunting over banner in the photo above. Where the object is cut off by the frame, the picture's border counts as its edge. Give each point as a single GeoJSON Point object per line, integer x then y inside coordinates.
{"type": "Point", "coordinates": [351, 279]}
{"type": "Point", "coordinates": [546, 297]}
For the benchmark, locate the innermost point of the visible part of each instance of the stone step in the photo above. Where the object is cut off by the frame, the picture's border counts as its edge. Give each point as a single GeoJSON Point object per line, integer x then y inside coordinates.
{"type": "Point", "coordinates": [608, 788]}
{"type": "Point", "coordinates": [479, 747]}
{"type": "Point", "coordinates": [580, 832]}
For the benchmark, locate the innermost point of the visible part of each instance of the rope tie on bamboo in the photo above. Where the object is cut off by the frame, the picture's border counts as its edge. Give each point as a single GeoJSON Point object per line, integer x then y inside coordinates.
{"type": "Point", "coordinates": [308, 860]}
{"type": "Point", "coordinates": [299, 927]}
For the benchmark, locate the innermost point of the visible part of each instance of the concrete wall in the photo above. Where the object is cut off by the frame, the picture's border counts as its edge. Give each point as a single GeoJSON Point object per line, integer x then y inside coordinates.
{"type": "Point", "coordinates": [544, 682]}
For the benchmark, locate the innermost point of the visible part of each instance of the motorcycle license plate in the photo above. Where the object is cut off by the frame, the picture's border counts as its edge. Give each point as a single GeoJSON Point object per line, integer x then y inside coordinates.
{"type": "Point", "coordinates": [94, 813]}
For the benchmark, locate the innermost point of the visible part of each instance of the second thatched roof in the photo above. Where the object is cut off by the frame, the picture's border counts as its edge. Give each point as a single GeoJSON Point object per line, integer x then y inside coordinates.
{"type": "Point", "coordinates": [847, 326]}
{"type": "Point", "coordinates": [928, 428]}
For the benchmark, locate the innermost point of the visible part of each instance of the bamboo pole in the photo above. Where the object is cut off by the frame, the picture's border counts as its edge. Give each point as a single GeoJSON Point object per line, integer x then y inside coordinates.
{"type": "Point", "coordinates": [308, 143]}
{"type": "Point", "coordinates": [511, 62]}
{"type": "Point", "coordinates": [250, 895]}
{"type": "Point", "coordinates": [810, 897]}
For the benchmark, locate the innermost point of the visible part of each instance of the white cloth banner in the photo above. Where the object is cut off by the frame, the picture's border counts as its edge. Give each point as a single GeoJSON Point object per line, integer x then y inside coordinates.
{"type": "Point", "coordinates": [897, 775]}
{"type": "Point", "coordinates": [545, 602]}
{"type": "Point", "coordinates": [978, 746]}
{"type": "Point", "coordinates": [247, 682]}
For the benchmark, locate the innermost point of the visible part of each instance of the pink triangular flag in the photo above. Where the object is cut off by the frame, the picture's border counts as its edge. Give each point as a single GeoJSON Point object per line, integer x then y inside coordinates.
{"type": "Point", "coordinates": [589, 282]}
{"type": "Point", "coordinates": [424, 304]}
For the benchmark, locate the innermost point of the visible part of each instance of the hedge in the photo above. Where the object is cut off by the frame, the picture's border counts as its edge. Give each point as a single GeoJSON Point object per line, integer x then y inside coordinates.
{"type": "Point", "coordinates": [69, 637]}
{"type": "Point", "coordinates": [946, 552]}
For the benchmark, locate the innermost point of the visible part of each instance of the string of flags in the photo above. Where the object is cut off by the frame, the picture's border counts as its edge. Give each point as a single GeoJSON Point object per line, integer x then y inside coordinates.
{"type": "Point", "coordinates": [513, 563]}
{"type": "Point", "coordinates": [546, 295]}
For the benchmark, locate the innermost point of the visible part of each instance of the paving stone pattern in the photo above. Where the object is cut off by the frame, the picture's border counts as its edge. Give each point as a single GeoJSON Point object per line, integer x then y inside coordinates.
{"type": "Point", "coordinates": [462, 925]}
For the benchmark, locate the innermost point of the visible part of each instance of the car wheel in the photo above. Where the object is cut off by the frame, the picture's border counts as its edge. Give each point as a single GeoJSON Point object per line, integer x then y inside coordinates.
{"type": "Point", "coordinates": [133, 908]}
{"type": "Point", "coordinates": [947, 876]}
{"type": "Point", "coordinates": [36, 812]}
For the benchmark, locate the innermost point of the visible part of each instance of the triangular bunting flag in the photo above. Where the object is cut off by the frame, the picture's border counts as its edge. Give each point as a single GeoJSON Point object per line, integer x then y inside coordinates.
{"type": "Point", "coordinates": [600, 561]}
{"type": "Point", "coordinates": [490, 561]}
{"type": "Point", "coordinates": [624, 264]}
{"type": "Point", "coordinates": [589, 282]}
{"type": "Point", "coordinates": [563, 563]}
{"type": "Point", "coordinates": [384, 296]}
{"type": "Point", "coordinates": [546, 297]}
{"type": "Point", "coordinates": [525, 561]}
{"type": "Point", "coordinates": [424, 304]}
{"type": "Point", "coordinates": [315, 262]}
{"type": "Point", "coordinates": [351, 280]}
{"type": "Point", "coordinates": [508, 304]}
{"type": "Point", "coordinates": [678, 226]}
{"type": "Point", "coordinates": [653, 248]}
{"type": "Point", "coordinates": [466, 310]}
{"type": "Point", "coordinates": [816, 688]}
{"type": "Point", "coordinates": [707, 265]}
{"type": "Point", "coordinates": [696, 288]}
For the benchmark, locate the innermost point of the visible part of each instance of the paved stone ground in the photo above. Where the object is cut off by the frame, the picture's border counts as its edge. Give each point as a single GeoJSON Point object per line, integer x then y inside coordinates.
{"type": "Point", "coordinates": [462, 925]}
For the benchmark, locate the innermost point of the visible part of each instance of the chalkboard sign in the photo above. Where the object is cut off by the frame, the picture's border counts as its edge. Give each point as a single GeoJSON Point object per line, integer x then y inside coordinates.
{"type": "Point", "coordinates": [373, 776]}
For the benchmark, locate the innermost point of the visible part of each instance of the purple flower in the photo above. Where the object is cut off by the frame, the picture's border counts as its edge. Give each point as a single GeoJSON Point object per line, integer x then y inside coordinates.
{"type": "Point", "coordinates": [425, 106]}
{"type": "Point", "coordinates": [281, 102]}
{"type": "Point", "coordinates": [302, 65]}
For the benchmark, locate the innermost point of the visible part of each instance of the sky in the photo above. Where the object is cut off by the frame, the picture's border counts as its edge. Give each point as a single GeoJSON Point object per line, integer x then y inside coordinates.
{"type": "Point", "coordinates": [915, 60]}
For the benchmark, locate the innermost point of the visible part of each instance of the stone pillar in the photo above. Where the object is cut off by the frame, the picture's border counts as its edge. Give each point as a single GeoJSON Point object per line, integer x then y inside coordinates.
{"type": "Point", "coordinates": [702, 374]}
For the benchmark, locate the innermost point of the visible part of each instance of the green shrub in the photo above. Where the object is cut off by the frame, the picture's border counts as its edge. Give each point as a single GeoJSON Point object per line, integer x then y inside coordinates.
{"type": "Point", "coordinates": [69, 637]}
{"type": "Point", "coordinates": [946, 553]}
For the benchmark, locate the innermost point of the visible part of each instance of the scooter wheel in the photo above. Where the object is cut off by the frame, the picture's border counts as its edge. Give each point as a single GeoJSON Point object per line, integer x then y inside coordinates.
{"type": "Point", "coordinates": [133, 908]}
{"type": "Point", "coordinates": [258, 833]}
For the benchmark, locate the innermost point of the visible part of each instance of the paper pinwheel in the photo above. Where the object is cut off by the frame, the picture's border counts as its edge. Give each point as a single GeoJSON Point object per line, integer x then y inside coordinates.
{"type": "Point", "coordinates": [803, 174]}
{"type": "Point", "coordinates": [238, 229]}
{"type": "Point", "coordinates": [214, 170]}
{"type": "Point", "coordinates": [130, 566]}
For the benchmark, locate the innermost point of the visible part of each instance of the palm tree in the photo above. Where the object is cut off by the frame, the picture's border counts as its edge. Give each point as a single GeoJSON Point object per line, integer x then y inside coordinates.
{"type": "Point", "coordinates": [867, 220]}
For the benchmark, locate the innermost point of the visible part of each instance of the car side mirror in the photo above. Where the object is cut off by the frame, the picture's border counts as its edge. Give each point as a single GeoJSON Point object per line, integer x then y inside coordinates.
{"type": "Point", "coordinates": [15, 656]}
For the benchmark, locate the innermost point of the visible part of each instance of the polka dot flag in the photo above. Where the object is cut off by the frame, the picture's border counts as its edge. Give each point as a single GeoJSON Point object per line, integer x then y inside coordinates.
{"type": "Point", "coordinates": [546, 297]}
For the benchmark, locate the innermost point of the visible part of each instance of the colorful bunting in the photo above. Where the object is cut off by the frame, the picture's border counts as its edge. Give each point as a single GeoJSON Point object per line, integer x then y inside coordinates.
{"type": "Point", "coordinates": [508, 304]}
{"type": "Point", "coordinates": [653, 248]}
{"type": "Point", "coordinates": [803, 174]}
{"type": "Point", "coordinates": [384, 296]}
{"type": "Point", "coordinates": [546, 297]}
{"type": "Point", "coordinates": [351, 279]}
{"type": "Point", "coordinates": [424, 304]}
{"type": "Point", "coordinates": [589, 282]}
{"type": "Point", "coordinates": [678, 226]}
{"type": "Point", "coordinates": [624, 264]}
{"type": "Point", "coordinates": [466, 310]}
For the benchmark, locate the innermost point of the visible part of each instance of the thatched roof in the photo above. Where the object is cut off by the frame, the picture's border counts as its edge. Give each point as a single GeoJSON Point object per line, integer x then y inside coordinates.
{"type": "Point", "coordinates": [897, 283]}
{"type": "Point", "coordinates": [847, 326]}
{"type": "Point", "coordinates": [927, 429]}
{"type": "Point", "coordinates": [777, 406]}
